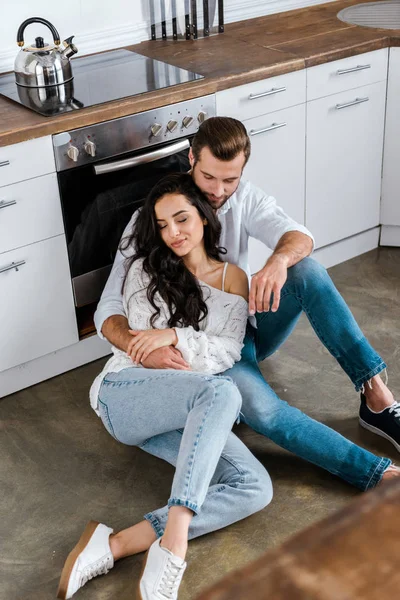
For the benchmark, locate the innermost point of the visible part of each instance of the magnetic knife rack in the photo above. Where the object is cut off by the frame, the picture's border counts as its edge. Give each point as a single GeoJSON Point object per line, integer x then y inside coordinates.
{"type": "Point", "coordinates": [192, 32]}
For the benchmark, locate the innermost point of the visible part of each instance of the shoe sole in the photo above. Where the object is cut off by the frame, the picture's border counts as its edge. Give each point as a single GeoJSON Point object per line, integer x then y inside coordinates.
{"type": "Point", "coordinates": [138, 592]}
{"type": "Point", "coordinates": [71, 559]}
{"type": "Point", "coordinates": [379, 432]}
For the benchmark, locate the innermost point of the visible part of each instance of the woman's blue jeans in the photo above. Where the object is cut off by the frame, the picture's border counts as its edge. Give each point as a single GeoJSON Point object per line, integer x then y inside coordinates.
{"type": "Point", "coordinates": [310, 289]}
{"type": "Point", "coordinates": [186, 419]}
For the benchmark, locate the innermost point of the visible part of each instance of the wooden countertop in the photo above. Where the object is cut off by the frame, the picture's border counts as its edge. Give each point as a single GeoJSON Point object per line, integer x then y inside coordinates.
{"type": "Point", "coordinates": [248, 51]}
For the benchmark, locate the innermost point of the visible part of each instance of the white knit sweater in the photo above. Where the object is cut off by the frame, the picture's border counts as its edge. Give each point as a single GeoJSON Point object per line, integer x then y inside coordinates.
{"type": "Point", "coordinates": [213, 349]}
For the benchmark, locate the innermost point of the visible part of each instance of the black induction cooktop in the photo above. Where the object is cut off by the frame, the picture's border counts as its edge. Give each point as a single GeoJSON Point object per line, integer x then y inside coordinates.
{"type": "Point", "coordinates": [97, 79]}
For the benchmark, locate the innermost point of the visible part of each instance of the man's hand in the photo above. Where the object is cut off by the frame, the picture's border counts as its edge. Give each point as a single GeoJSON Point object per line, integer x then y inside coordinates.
{"type": "Point", "coordinates": [144, 342]}
{"type": "Point", "coordinates": [269, 280]}
{"type": "Point", "coordinates": [166, 358]}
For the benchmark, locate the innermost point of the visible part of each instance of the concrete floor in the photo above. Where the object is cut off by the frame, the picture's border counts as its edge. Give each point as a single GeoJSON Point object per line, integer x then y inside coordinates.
{"type": "Point", "coordinates": [59, 467]}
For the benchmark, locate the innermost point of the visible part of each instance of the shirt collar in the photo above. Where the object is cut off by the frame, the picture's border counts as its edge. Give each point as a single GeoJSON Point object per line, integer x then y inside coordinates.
{"type": "Point", "coordinates": [224, 209]}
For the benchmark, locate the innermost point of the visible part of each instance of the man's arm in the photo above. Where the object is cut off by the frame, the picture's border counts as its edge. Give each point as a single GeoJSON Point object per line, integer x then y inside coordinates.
{"type": "Point", "coordinates": [291, 249]}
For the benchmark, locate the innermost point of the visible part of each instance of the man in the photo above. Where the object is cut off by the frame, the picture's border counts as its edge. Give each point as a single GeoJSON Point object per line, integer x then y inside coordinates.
{"type": "Point", "coordinates": [289, 283]}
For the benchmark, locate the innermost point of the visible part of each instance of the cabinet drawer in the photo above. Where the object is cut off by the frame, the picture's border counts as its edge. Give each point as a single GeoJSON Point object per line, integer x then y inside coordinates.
{"type": "Point", "coordinates": [30, 211]}
{"type": "Point", "coordinates": [344, 162]}
{"type": "Point", "coordinates": [277, 161]}
{"type": "Point", "coordinates": [348, 73]}
{"type": "Point", "coordinates": [36, 304]}
{"type": "Point", "coordinates": [26, 160]}
{"type": "Point", "coordinates": [261, 97]}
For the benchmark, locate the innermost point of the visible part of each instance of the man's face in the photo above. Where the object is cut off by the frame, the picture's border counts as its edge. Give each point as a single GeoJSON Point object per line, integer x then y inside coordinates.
{"type": "Point", "coordinates": [217, 179]}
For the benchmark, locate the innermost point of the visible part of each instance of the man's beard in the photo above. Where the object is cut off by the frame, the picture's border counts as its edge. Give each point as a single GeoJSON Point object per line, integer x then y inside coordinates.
{"type": "Point", "coordinates": [215, 204]}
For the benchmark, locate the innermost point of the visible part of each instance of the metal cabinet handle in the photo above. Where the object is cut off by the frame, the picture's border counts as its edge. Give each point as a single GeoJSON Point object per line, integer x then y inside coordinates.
{"type": "Point", "coordinates": [5, 203]}
{"type": "Point", "coordinates": [353, 103]}
{"type": "Point", "coordinates": [352, 69]}
{"type": "Point", "coordinates": [4, 163]}
{"type": "Point", "coordinates": [269, 93]}
{"type": "Point", "coordinates": [270, 128]}
{"type": "Point", "coordinates": [119, 165]}
{"type": "Point", "coordinates": [14, 265]}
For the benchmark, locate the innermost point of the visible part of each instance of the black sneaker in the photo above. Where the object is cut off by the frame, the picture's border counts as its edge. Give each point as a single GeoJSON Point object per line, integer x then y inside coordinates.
{"type": "Point", "coordinates": [385, 423]}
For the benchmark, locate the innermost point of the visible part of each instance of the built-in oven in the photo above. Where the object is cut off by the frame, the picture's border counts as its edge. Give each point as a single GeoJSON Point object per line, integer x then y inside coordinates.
{"type": "Point", "coordinates": [106, 170]}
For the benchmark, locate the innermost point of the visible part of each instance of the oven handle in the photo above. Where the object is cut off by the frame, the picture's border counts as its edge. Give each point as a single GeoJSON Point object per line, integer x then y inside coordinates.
{"type": "Point", "coordinates": [119, 165]}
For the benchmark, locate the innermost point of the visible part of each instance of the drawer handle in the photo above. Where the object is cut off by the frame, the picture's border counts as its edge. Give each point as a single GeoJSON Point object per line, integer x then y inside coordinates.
{"type": "Point", "coordinates": [4, 163]}
{"type": "Point", "coordinates": [270, 128]}
{"type": "Point", "coordinates": [353, 69]}
{"type": "Point", "coordinates": [5, 203]}
{"type": "Point", "coordinates": [353, 103]}
{"type": "Point", "coordinates": [14, 265]}
{"type": "Point", "coordinates": [269, 93]}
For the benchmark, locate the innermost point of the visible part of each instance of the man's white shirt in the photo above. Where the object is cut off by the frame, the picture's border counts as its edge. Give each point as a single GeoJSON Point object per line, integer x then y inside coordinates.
{"type": "Point", "coordinates": [249, 212]}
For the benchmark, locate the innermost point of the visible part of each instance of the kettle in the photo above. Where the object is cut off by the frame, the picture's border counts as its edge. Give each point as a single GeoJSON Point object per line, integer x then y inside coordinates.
{"type": "Point", "coordinates": [41, 64]}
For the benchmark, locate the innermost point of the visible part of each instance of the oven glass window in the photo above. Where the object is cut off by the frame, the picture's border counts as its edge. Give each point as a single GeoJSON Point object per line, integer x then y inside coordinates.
{"type": "Point", "coordinates": [97, 208]}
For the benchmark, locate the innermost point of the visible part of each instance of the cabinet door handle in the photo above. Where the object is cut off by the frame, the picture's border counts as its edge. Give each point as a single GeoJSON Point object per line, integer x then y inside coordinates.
{"type": "Point", "coordinates": [4, 163]}
{"type": "Point", "coordinates": [352, 69]}
{"type": "Point", "coordinates": [14, 265]}
{"type": "Point", "coordinates": [270, 128]}
{"type": "Point", "coordinates": [353, 103]}
{"type": "Point", "coordinates": [269, 93]}
{"type": "Point", "coordinates": [5, 203]}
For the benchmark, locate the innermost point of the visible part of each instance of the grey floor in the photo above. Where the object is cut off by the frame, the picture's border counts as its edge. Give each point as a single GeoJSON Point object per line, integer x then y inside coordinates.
{"type": "Point", "coordinates": [59, 467]}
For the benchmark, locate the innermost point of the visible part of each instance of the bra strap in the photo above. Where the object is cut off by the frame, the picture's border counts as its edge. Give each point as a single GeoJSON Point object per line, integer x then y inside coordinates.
{"type": "Point", "coordinates": [223, 276]}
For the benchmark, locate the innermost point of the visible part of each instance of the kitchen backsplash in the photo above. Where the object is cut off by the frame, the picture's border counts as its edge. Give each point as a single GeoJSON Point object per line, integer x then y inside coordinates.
{"type": "Point", "coordinates": [106, 24]}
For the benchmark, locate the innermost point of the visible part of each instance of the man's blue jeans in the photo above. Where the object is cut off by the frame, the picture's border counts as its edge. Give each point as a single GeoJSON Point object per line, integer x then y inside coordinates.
{"type": "Point", "coordinates": [310, 289]}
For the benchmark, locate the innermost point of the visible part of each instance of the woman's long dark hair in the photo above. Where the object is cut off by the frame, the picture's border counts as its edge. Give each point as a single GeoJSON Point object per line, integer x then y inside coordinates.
{"type": "Point", "coordinates": [177, 286]}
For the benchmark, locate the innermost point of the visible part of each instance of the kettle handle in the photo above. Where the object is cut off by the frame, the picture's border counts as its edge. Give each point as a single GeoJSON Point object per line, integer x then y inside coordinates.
{"type": "Point", "coordinates": [20, 34]}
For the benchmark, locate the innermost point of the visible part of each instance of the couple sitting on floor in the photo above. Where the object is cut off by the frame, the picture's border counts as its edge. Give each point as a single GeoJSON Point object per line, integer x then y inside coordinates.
{"type": "Point", "coordinates": [185, 359]}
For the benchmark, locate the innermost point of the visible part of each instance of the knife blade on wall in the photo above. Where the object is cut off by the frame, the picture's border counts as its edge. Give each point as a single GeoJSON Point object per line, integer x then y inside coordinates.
{"type": "Point", "coordinates": [163, 21]}
{"type": "Point", "coordinates": [187, 19]}
{"type": "Point", "coordinates": [174, 27]}
{"type": "Point", "coordinates": [152, 21]}
{"type": "Point", "coordinates": [194, 19]}
{"type": "Point", "coordinates": [206, 22]}
{"type": "Point", "coordinates": [221, 16]}
{"type": "Point", "coordinates": [212, 7]}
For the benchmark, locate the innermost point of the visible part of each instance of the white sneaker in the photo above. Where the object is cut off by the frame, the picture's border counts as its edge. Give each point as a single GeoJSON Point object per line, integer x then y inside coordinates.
{"type": "Point", "coordinates": [162, 574]}
{"type": "Point", "coordinates": [90, 557]}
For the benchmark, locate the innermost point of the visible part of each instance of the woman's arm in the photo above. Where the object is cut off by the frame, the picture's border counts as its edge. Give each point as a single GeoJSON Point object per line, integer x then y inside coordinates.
{"type": "Point", "coordinates": [213, 354]}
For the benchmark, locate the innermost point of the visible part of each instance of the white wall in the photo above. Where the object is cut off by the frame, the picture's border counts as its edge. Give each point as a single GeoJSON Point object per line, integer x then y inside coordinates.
{"type": "Point", "coordinates": [105, 24]}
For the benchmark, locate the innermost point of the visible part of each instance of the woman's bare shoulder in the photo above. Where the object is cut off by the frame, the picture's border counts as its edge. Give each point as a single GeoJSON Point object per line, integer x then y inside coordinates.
{"type": "Point", "coordinates": [236, 281]}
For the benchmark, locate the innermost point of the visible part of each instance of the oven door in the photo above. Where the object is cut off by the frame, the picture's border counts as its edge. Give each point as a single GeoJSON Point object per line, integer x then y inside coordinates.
{"type": "Point", "coordinates": [98, 201]}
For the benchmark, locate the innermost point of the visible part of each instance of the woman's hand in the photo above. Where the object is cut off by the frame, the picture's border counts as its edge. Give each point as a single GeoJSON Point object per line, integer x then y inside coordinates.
{"type": "Point", "coordinates": [144, 342]}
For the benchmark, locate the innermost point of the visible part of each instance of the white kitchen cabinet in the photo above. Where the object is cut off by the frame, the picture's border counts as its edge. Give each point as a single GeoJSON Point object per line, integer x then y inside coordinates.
{"type": "Point", "coordinates": [390, 207]}
{"type": "Point", "coordinates": [36, 304]}
{"type": "Point", "coordinates": [277, 166]}
{"type": "Point", "coordinates": [344, 162]}
{"type": "Point", "coordinates": [347, 73]}
{"type": "Point", "coordinates": [30, 211]}
{"type": "Point", "coordinates": [273, 112]}
{"type": "Point", "coordinates": [26, 160]}
{"type": "Point", "coordinates": [277, 162]}
{"type": "Point", "coordinates": [262, 97]}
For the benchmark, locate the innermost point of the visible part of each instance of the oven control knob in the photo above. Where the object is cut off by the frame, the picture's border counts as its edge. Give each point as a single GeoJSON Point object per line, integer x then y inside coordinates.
{"type": "Point", "coordinates": [156, 129]}
{"type": "Point", "coordinates": [172, 125]}
{"type": "Point", "coordinates": [90, 148]}
{"type": "Point", "coordinates": [187, 121]}
{"type": "Point", "coordinates": [202, 116]}
{"type": "Point", "coordinates": [73, 153]}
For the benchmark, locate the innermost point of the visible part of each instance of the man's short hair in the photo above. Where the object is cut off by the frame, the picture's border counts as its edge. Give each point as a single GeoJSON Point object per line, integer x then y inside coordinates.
{"type": "Point", "coordinates": [224, 136]}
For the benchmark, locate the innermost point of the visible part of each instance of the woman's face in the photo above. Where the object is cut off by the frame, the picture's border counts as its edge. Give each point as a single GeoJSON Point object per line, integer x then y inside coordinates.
{"type": "Point", "coordinates": [181, 226]}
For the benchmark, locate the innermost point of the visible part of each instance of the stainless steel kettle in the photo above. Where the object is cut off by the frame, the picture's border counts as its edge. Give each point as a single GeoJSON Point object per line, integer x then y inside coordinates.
{"type": "Point", "coordinates": [41, 64]}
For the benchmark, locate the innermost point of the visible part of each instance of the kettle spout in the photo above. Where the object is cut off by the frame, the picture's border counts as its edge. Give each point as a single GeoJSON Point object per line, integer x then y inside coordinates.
{"type": "Point", "coordinates": [70, 48]}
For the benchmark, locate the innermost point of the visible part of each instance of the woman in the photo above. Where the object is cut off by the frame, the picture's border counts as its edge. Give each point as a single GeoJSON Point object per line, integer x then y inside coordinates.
{"type": "Point", "coordinates": [177, 292]}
